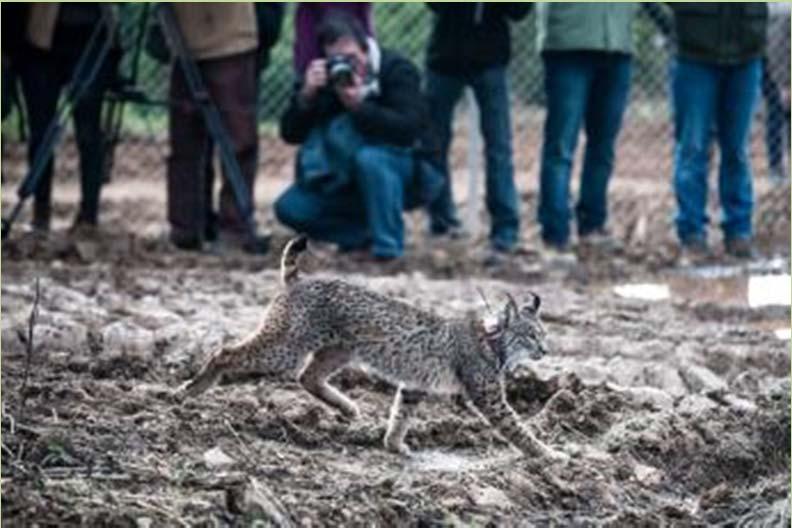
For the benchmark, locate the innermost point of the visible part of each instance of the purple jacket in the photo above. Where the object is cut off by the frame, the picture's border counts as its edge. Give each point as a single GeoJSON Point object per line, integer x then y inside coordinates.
{"type": "Point", "coordinates": [306, 22]}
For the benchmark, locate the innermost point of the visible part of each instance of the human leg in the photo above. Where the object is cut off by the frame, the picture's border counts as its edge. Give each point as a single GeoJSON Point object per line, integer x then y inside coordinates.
{"type": "Point", "coordinates": [567, 81]}
{"type": "Point", "coordinates": [492, 95]}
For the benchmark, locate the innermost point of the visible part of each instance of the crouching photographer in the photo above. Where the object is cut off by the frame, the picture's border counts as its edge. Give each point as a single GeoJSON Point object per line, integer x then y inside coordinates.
{"type": "Point", "coordinates": [360, 118]}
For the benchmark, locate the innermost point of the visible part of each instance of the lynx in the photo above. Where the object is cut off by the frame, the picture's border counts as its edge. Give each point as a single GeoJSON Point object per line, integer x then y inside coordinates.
{"type": "Point", "coordinates": [316, 327]}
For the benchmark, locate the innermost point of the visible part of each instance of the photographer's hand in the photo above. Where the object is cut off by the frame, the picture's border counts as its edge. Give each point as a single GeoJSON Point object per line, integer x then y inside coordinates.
{"type": "Point", "coordinates": [315, 78]}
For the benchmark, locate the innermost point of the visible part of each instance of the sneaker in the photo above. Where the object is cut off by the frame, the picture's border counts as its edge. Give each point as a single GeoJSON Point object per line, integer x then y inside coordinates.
{"type": "Point", "coordinates": [599, 241]}
{"type": "Point", "coordinates": [452, 232]}
{"type": "Point", "coordinates": [694, 251]}
{"type": "Point", "coordinates": [496, 254]}
{"type": "Point", "coordinates": [741, 248]}
{"type": "Point", "coordinates": [553, 253]}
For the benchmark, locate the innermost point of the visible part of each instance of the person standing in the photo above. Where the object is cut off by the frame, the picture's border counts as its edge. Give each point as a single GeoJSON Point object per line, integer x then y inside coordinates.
{"type": "Point", "coordinates": [586, 50]}
{"type": "Point", "coordinates": [223, 40]}
{"type": "Point", "coordinates": [57, 35]}
{"type": "Point", "coordinates": [470, 46]}
{"type": "Point", "coordinates": [716, 79]}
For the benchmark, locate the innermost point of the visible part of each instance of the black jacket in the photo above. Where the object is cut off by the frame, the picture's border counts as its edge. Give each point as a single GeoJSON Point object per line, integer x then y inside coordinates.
{"type": "Point", "coordinates": [397, 116]}
{"type": "Point", "coordinates": [721, 32]}
{"type": "Point", "coordinates": [468, 37]}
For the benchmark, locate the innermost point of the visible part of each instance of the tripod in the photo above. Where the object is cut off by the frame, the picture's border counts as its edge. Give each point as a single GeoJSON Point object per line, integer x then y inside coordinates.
{"type": "Point", "coordinates": [214, 123]}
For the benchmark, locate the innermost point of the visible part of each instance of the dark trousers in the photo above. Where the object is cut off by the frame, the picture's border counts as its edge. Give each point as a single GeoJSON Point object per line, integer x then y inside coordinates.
{"type": "Point", "coordinates": [44, 76]}
{"type": "Point", "coordinates": [231, 83]}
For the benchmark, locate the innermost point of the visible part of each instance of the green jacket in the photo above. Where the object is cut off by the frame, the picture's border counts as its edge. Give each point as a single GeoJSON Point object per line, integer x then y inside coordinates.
{"type": "Point", "coordinates": [721, 32]}
{"type": "Point", "coordinates": [577, 26]}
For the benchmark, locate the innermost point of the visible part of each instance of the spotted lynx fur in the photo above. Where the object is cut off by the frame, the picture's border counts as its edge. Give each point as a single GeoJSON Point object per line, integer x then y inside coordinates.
{"type": "Point", "coordinates": [316, 327]}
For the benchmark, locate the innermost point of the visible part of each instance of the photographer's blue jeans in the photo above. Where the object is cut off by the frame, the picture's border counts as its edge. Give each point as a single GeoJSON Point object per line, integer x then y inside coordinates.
{"type": "Point", "coordinates": [491, 90]}
{"type": "Point", "coordinates": [724, 97]}
{"type": "Point", "coordinates": [366, 213]}
{"type": "Point", "coordinates": [587, 88]}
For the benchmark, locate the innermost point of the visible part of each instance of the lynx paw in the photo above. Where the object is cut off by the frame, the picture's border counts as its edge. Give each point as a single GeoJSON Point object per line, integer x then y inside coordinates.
{"type": "Point", "coordinates": [399, 448]}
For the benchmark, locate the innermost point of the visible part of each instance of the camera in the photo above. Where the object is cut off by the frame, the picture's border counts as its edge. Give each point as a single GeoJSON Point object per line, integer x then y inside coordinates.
{"type": "Point", "coordinates": [341, 70]}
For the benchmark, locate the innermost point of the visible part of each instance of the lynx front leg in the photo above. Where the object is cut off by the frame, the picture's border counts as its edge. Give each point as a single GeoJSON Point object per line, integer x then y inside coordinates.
{"type": "Point", "coordinates": [314, 378]}
{"type": "Point", "coordinates": [404, 404]}
{"type": "Point", "coordinates": [490, 400]}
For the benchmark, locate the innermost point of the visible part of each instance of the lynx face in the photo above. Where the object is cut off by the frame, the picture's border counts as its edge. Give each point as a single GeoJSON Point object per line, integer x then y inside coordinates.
{"type": "Point", "coordinates": [517, 334]}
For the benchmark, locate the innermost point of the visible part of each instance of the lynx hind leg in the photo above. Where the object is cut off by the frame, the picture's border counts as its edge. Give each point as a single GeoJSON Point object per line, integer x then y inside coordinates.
{"type": "Point", "coordinates": [404, 405]}
{"type": "Point", "coordinates": [490, 400]}
{"type": "Point", "coordinates": [314, 378]}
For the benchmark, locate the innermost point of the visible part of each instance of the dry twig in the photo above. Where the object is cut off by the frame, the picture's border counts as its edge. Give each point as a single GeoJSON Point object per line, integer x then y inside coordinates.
{"type": "Point", "coordinates": [29, 350]}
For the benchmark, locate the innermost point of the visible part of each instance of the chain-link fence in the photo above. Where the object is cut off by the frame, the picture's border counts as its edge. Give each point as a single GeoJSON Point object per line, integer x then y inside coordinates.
{"type": "Point", "coordinates": [645, 145]}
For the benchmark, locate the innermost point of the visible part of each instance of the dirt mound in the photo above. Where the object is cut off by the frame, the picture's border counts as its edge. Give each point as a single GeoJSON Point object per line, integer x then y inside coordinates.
{"type": "Point", "coordinates": [669, 419]}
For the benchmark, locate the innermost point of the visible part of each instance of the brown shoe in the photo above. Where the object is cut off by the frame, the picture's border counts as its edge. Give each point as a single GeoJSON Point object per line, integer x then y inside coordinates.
{"type": "Point", "coordinates": [741, 248]}
{"type": "Point", "coordinates": [694, 251]}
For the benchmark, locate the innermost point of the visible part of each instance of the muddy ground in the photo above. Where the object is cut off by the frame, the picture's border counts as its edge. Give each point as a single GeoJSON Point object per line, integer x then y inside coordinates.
{"type": "Point", "coordinates": [675, 412]}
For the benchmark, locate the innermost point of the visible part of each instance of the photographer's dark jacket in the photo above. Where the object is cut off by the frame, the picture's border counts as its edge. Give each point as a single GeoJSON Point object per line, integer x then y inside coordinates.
{"type": "Point", "coordinates": [396, 116]}
{"type": "Point", "coordinates": [721, 32]}
{"type": "Point", "coordinates": [468, 37]}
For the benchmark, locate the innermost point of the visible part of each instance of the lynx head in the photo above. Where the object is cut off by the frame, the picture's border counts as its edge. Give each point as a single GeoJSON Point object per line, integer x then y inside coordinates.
{"type": "Point", "coordinates": [516, 333]}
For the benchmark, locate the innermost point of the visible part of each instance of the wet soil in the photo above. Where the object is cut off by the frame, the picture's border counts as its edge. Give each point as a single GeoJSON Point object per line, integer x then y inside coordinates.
{"type": "Point", "coordinates": [675, 412]}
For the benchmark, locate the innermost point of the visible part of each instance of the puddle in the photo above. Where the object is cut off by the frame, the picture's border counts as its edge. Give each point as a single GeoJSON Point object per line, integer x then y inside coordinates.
{"type": "Point", "coordinates": [643, 291]}
{"type": "Point", "coordinates": [451, 463]}
{"type": "Point", "coordinates": [754, 292]}
{"type": "Point", "coordinates": [769, 290]}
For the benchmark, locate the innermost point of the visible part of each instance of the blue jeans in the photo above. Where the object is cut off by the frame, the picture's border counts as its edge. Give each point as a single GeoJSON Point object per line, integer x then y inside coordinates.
{"type": "Point", "coordinates": [707, 96]}
{"type": "Point", "coordinates": [586, 88]}
{"type": "Point", "coordinates": [492, 96]}
{"type": "Point", "coordinates": [366, 212]}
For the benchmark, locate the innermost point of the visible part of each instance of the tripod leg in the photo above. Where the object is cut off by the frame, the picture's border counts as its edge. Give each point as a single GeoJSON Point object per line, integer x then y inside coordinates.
{"type": "Point", "coordinates": [231, 85]}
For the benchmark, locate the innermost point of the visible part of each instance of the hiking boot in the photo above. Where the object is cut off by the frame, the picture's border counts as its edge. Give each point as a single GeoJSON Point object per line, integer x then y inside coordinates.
{"type": "Point", "coordinates": [186, 241]}
{"type": "Point", "coordinates": [694, 251]}
{"type": "Point", "coordinates": [740, 248]}
{"type": "Point", "coordinates": [257, 244]}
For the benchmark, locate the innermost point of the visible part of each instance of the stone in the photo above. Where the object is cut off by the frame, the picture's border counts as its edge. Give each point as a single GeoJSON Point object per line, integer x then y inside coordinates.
{"type": "Point", "coordinates": [126, 337]}
{"type": "Point", "coordinates": [488, 496]}
{"type": "Point", "coordinates": [702, 380]}
{"type": "Point", "coordinates": [215, 458]}
{"type": "Point", "coordinates": [648, 475]}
